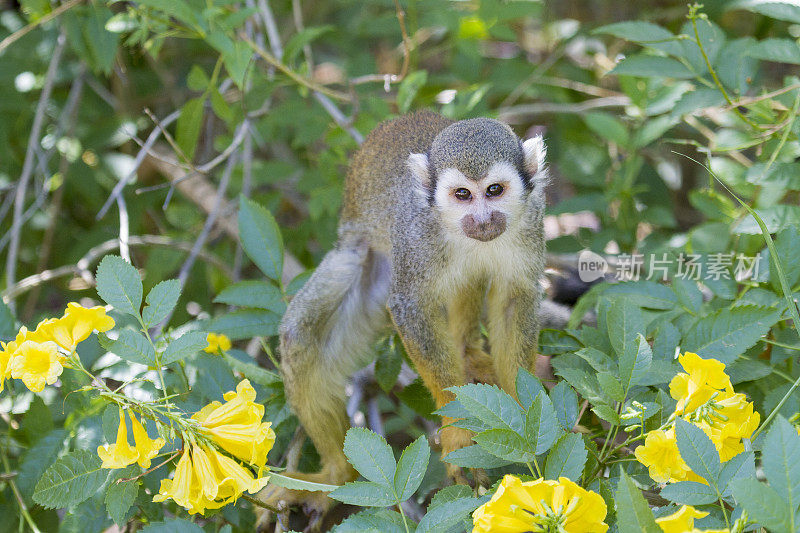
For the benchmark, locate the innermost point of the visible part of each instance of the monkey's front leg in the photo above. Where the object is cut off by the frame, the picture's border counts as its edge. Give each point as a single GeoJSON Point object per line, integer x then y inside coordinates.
{"type": "Point", "coordinates": [422, 325]}
{"type": "Point", "coordinates": [513, 331]}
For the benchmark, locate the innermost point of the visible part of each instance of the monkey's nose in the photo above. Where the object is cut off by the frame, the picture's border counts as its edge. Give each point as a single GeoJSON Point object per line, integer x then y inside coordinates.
{"type": "Point", "coordinates": [484, 230]}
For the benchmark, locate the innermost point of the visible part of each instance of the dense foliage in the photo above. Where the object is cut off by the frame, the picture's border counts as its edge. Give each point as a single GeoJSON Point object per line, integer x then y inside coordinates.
{"type": "Point", "coordinates": [182, 164]}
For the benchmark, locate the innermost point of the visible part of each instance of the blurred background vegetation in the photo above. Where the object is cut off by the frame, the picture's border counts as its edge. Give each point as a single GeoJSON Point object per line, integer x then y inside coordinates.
{"type": "Point", "coordinates": [132, 128]}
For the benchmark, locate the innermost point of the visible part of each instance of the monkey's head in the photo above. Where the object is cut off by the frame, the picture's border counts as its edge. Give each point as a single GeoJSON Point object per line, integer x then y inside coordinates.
{"type": "Point", "coordinates": [478, 175]}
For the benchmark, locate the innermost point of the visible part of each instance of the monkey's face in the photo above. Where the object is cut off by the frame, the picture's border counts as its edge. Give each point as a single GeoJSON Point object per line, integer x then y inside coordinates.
{"type": "Point", "coordinates": [480, 209]}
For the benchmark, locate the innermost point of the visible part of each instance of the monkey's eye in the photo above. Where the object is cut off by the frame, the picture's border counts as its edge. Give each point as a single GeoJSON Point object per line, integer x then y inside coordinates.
{"type": "Point", "coordinates": [495, 189]}
{"type": "Point", "coordinates": [463, 194]}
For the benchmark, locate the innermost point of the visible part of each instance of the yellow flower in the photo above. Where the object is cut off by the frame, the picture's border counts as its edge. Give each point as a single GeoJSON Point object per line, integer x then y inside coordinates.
{"type": "Point", "coordinates": [233, 478]}
{"type": "Point", "coordinates": [704, 378]}
{"type": "Point", "coordinates": [661, 456]}
{"type": "Point", "coordinates": [236, 425]}
{"type": "Point", "coordinates": [120, 454]}
{"type": "Point", "coordinates": [147, 447]}
{"type": "Point", "coordinates": [77, 324]}
{"type": "Point", "coordinates": [217, 343]}
{"type": "Point", "coordinates": [36, 364]}
{"type": "Point", "coordinates": [5, 359]}
{"type": "Point", "coordinates": [541, 505]}
{"type": "Point", "coordinates": [681, 521]}
{"type": "Point", "coordinates": [182, 488]}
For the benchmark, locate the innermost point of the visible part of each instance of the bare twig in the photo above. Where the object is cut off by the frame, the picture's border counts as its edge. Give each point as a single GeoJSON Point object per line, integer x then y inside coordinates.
{"type": "Point", "coordinates": [519, 113]}
{"type": "Point", "coordinates": [11, 39]}
{"type": "Point", "coordinates": [137, 162]}
{"type": "Point", "coordinates": [406, 47]}
{"type": "Point", "coordinates": [81, 268]}
{"type": "Point", "coordinates": [27, 167]}
{"type": "Point", "coordinates": [342, 121]}
{"type": "Point", "coordinates": [124, 229]}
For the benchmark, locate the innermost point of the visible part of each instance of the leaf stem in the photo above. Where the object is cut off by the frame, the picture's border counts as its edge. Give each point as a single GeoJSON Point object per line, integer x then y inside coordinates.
{"type": "Point", "coordinates": [403, 514]}
{"type": "Point", "coordinates": [22, 507]}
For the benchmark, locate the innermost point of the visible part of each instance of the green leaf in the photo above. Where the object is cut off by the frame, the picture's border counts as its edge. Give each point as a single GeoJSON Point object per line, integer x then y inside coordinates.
{"type": "Point", "coordinates": [689, 493]}
{"type": "Point", "coordinates": [624, 323]}
{"type": "Point", "coordinates": [738, 467]}
{"type": "Point", "coordinates": [778, 50]}
{"type": "Point", "coordinates": [251, 293]}
{"type": "Point", "coordinates": [409, 88]}
{"type": "Point", "coordinates": [298, 484]}
{"type": "Point", "coordinates": [411, 468]}
{"type": "Point", "coordinates": [38, 458]}
{"type": "Point", "coordinates": [443, 518]}
{"type": "Point", "coordinates": [763, 504]}
{"type": "Point", "coordinates": [184, 346]}
{"type": "Point", "coordinates": [644, 33]}
{"type": "Point", "coordinates": [528, 387]}
{"type": "Point", "coordinates": [119, 499]}
{"type": "Point", "coordinates": [373, 521]}
{"type": "Point", "coordinates": [370, 456]}
{"type": "Point", "coordinates": [729, 332]}
{"type": "Point", "coordinates": [566, 458]}
{"type": "Point", "coordinates": [695, 100]}
{"type": "Point", "coordinates": [173, 525]}
{"type": "Point", "coordinates": [506, 444]}
{"type": "Point", "coordinates": [133, 346]}
{"type": "Point", "coordinates": [364, 493]}
{"type": "Point", "coordinates": [779, 459]}
{"type": "Point", "coordinates": [608, 127]}
{"type": "Point", "coordinates": [387, 366]}
{"type": "Point", "coordinates": [261, 239]}
{"type": "Point", "coordinates": [296, 43]}
{"type": "Point", "coordinates": [777, 9]}
{"type": "Point", "coordinates": [541, 425]}
{"type": "Point", "coordinates": [565, 404]}
{"type": "Point", "coordinates": [491, 405]}
{"type": "Point", "coordinates": [70, 480]}
{"type": "Point", "coordinates": [251, 371]}
{"type": "Point", "coordinates": [88, 37]}
{"type": "Point", "coordinates": [635, 363]}
{"type": "Point", "coordinates": [556, 341]}
{"type": "Point", "coordinates": [161, 300]}
{"type": "Point", "coordinates": [474, 457]}
{"type": "Point", "coordinates": [775, 217]}
{"type": "Point", "coordinates": [606, 412]}
{"type": "Point", "coordinates": [648, 294]}
{"type": "Point", "coordinates": [177, 9]}
{"type": "Point", "coordinates": [7, 322]}
{"type": "Point", "coordinates": [611, 386]}
{"type": "Point", "coordinates": [197, 79]}
{"type": "Point", "coordinates": [190, 122]}
{"type": "Point", "coordinates": [649, 66]}
{"type": "Point", "coordinates": [119, 284]}
{"type": "Point", "coordinates": [245, 324]}
{"type": "Point", "coordinates": [638, 518]}
{"type": "Point", "coordinates": [788, 256]}
{"type": "Point", "coordinates": [697, 451]}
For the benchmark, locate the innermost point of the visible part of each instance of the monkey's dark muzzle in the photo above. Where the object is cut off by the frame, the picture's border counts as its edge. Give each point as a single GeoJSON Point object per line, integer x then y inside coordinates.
{"type": "Point", "coordinates": [485, 230]}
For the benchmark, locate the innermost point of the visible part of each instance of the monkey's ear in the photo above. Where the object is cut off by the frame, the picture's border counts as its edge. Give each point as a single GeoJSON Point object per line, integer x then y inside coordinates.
{"type": "Point", "coordinates": [534, 152]}
{"type": "Point", "coordinates": [418, 165]}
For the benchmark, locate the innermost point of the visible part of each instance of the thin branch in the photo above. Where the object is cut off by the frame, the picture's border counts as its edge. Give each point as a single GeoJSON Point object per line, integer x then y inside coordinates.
{"type": "Point", "coordinates": [137, 162]}
{"type": "Point", "coordinates": [522, 112]}
{"type": "Point", "coordinates": [342, 121]}
{"type": "Point", "coordinates": [272, 29]}
{"type": "Point", "coordinates": [124, 229]}
{"type": "Point", "coordinates": [11, 39]}
{"type": "Point", "coordinates": [81, 268]}
{"type": "Point", "coordinates": [27, 167]}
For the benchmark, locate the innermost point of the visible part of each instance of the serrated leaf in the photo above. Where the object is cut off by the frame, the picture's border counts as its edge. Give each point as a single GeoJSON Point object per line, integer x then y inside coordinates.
{"type": "Point", "coordinates": [541, 425]}
{"type": "Point", "coordinates": [763, 504]}
{"type": "Point", "coordinates": [738, 467]}
{"type": "Point", "coordinates": [364, 493]}
{"type": "Point", "coordinates": [606, 412]}
{"type": "Point", "coordinates": [173, 525]}
{"type": "Point", "coordinates": [246, 324]}
{"type": "Point", "coordinates": [298, 484]}
{"type": "Point", "coordinates": [371, 456]}
{"type": "Point", "coordinates": [697, 451]}
{"type": "Point", "coordinates": [611, 386]}
{"type": "Point", "coordinates": [119, 499]}
{"type": "Point", "coordinates": [647, 294]}
{"type": "Point", "coordinates": [630, 504]}
{"type": "Point", "coordinates": [119, 284]}
{"type": "Point", "coordinates": [261, 238]}
{"type": "Point", "coordinates": [133, 346]}
{"type": "Point", "coordinates": [161, 300]}
{"type": "Point", "coordinates": [184, 346]}
{"type": "Point", "coordinates": [444, 517]}
{"type": "Point", "coordinates": [506, 444]}
{"type": "Point", "coordinates": [38, 458]}
{"type": "Point", "coordinates": [779, 459]}
{"type": "Point", "coordinates": [565, 404]}
{"type": "Point", "coordinates": [411, 468]}
{"type": "Point", "coordinates": [556, 341]}
{"type": "Point", "coordinates": [729, 332]}
{"type": "Point", "coordinates": [608, 127]}
{"type": "Point", "coordinates": [250, 293]}
{"type": "Point", "coordinates": [778, 9]}
{"type": "Point", "coordinates": [650, 66]}
{"type": "Point", "coordinates": [528, 387]}
{"type": "Point", "coordinates": [635, 363]}
{"type": "Point", "coordinates": [372, 521]}
{"type": "Point", "coordinates": [624, 321]}
{"type": "Point", "coordinates": [689, 493]}
{"type": "Point", "coordinates": [70, 480]}
{"type": "Point", "coordinates": [491, 405]}
{"type": "Point", "coordinates": [644, 33]}
{"type": "Point", "coordinates": [474, 457]}
{"type": "Point", "coordinates": [566, 458]}
{"type": "Point", "coordinates": [778, 50]}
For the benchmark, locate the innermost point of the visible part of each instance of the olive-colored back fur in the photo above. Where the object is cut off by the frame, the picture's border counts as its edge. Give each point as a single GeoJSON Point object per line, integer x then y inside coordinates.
{"type": "Point", "coordinates": [381, 160]}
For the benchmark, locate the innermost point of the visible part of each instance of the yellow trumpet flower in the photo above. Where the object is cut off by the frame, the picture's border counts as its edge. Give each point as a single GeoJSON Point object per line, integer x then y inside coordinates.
{"type": "Point", "coordinates": [120, 454]}
{"type": "Point", "coordinates": [36, 363]}
{"type": "Point", "coordinates": [77, 324]}
{"type": "Point", "coordinates": [147, 447]}
{"type": "Point", "coordinates": [217, 342]}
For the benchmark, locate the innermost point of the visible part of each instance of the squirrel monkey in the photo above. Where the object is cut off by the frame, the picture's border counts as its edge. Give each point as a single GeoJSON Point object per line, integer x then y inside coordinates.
{"type": "Point", "coordinates": [440, 219]}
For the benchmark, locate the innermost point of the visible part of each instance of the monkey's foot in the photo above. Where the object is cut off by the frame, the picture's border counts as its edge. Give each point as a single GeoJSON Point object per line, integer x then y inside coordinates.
{"type": "Point", "coordinates": [314, 504]}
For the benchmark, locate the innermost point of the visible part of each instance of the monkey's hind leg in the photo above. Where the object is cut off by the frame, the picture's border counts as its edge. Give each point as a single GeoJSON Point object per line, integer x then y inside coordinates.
{"type": "Point", "coordinates": [325, 336]}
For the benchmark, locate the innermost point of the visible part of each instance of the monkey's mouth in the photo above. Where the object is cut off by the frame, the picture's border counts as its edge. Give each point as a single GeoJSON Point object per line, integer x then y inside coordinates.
{"type": "Point", "coordinates": [484, 230]}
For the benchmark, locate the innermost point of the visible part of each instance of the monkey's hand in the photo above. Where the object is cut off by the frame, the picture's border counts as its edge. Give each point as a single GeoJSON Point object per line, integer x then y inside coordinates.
{"type": "Point", "coordinates": [453, 438]}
